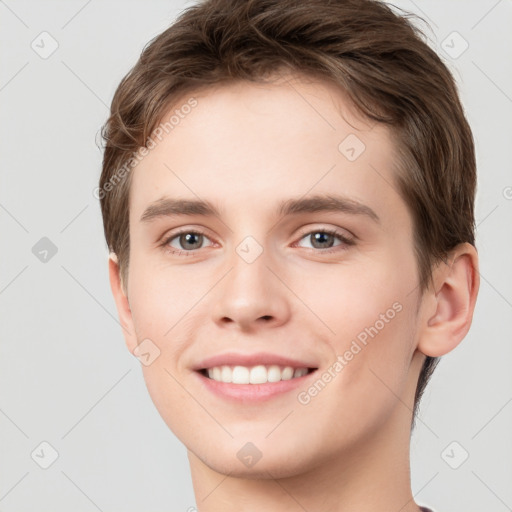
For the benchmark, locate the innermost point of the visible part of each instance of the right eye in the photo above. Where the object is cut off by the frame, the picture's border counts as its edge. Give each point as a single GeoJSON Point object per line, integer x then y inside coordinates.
{"type": "Point", "coordinates": [189, 240]}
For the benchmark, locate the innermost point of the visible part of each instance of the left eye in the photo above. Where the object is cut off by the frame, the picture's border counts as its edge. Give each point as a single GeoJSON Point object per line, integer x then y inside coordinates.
{"type": "Point", "coordinates": [323, 239]}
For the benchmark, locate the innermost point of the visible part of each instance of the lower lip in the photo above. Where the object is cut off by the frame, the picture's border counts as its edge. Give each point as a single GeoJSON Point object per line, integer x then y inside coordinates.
{"type": "Point", "coordinates": [252, 392]}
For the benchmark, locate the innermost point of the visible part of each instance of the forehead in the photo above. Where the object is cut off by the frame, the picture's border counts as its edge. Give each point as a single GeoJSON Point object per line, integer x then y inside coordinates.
{"type": "Point", "coordinates": [253, 144]}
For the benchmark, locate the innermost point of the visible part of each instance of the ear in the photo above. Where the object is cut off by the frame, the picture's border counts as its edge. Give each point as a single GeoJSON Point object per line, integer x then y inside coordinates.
{"type": "Point", "coordinates": [123, 307]}
{"type": "Point", "coordinates": [449, 306]}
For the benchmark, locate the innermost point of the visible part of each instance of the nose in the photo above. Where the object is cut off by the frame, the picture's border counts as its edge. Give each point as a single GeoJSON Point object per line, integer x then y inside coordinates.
{"type": "Point", "coordinates": [251, 296]}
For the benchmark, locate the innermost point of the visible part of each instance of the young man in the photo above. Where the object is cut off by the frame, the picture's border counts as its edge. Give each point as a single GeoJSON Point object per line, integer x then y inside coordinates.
{"type": "Point", "coordinates": [287, 194]}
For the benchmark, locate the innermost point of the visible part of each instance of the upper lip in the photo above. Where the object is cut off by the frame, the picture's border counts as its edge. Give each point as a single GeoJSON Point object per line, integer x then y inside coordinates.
{"type": "Point", "coordinates": [263, 358]}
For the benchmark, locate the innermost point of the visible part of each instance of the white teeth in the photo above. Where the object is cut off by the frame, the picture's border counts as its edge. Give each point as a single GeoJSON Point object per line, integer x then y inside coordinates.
{"type": "Point", "coordinates": [259, 374]}
{"type": "Point", "coordinates": [226, 374]}
{"type": "Point", "coordinates": [287, 373]}
{"type": "Point", "coordinates": [240, 375]}
{"type": "Point", "coordinates": [273, 373]}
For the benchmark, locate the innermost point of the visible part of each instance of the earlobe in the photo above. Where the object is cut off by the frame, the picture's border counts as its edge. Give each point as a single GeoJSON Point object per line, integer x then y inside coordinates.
{"type": "Point", "coordinates": [121, 299]}
{"type": "Point", "coordinates": [449, 308]}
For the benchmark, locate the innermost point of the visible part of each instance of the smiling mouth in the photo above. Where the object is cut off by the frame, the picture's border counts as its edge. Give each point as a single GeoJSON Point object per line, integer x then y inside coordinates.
{"type": "Point", "coordinates": [259, 374]}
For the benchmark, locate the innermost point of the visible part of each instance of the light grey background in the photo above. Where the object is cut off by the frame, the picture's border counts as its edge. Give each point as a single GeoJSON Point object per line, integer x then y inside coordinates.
{"type": "Point", "coordinates": [65, 375]}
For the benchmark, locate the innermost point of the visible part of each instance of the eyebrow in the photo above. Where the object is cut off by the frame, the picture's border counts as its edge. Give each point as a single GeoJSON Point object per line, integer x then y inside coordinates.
{"type": "Point", "coordinates": [170, 207]}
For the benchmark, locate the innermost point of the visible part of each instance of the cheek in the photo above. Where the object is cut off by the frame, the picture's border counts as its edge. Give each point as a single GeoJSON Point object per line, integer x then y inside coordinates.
{"type": "Point", "coordinates": [171, 400]}
{"type": "Point", "coordinates": [360, 304]}
{"type": "Point", "coordinates": [371, 375]}
{"type": "Point", "coordinates": [373, 348]}
{"type": "Point", "coordinates": [372, 314]}
{"type": "Point", "coordinates": [157, 302]}
{"type": "Point", "coordinates": [159, 313]}
{"type": "Point", "coordinates": [158, 316]}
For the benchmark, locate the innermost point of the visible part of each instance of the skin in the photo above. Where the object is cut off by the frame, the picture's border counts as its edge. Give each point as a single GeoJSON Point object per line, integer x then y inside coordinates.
{"type": "Point", "coordinates": [245, 147]}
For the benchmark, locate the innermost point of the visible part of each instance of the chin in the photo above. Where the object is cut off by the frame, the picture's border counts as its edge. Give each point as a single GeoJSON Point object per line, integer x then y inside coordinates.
{"type": "Point", "coordinates": [256, 461]}
{"type": "Point", "coordinates": [262, 470]}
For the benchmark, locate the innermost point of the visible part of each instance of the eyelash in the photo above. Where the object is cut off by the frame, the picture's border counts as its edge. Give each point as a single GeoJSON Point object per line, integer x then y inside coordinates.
{"type": "Point", "coordinates": [347, 242]}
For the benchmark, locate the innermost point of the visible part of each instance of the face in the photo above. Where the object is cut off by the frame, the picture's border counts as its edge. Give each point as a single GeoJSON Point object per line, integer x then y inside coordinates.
{"type": "Point", "coordinates": [305, 270]}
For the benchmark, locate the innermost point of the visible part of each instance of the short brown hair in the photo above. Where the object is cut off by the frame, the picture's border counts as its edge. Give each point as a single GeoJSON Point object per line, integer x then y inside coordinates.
{"type": "Point", "coordinates": [376, 56]}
